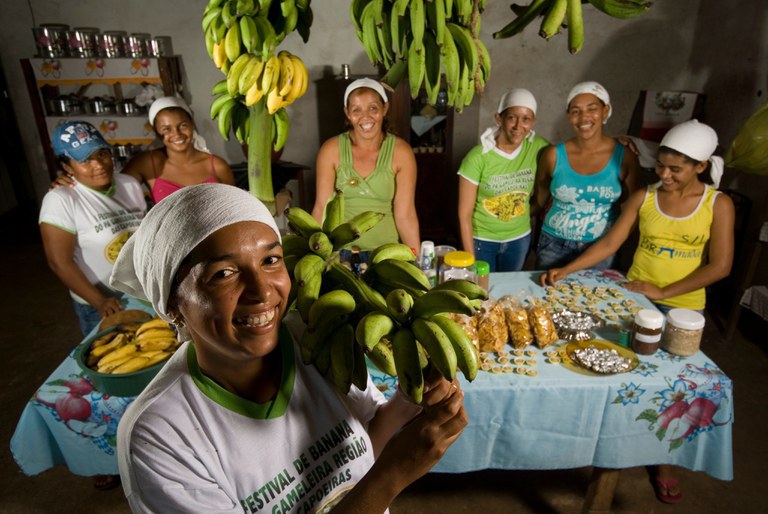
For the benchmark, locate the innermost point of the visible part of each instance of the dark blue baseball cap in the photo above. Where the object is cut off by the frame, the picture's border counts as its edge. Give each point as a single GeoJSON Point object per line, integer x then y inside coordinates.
{"type": "Point", "coordinates": [77, 140]}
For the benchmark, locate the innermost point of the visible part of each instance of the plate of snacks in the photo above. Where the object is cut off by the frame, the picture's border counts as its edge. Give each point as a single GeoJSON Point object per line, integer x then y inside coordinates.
{"type": "Point", "coordinates": [576, 326]}
{"type": "Point", "coordinates": [598, 357]}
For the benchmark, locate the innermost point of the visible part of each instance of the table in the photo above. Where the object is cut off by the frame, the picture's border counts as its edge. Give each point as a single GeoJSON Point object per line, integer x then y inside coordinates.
{"type": "Point", "coordinates": [668, 410]}
{"type": "Point", "coordinates": [48, 433]}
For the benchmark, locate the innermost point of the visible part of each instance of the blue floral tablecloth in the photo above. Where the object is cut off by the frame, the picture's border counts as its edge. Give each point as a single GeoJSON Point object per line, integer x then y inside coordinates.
{"type": "Point", "coordinates": [668, 410]}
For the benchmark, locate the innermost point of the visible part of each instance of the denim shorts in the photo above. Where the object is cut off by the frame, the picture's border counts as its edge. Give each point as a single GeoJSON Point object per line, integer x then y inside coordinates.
{"type": "Point", "coordinates": [553, 252]}
{"type": "Point", "coordinates": [87, 315]}
{"type": "Point", "coordinates": [507, 256]}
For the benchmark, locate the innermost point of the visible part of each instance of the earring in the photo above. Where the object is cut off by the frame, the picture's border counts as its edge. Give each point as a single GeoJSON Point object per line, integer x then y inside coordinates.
{"type": "Point", "coordinates": [176, 320]}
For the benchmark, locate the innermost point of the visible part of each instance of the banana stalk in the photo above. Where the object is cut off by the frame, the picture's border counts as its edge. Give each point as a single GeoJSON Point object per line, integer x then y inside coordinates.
{"type": "Point", "coordinates": [260, 155]}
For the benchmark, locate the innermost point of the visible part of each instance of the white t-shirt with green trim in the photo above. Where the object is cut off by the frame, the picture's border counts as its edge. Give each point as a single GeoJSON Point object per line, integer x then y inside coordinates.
{"type": "Point", "coordinates": [188, 445]}
{"type": "Point", "coordinates": [102, 221]}
{"type": "Point", "coordinates": [504, 184]}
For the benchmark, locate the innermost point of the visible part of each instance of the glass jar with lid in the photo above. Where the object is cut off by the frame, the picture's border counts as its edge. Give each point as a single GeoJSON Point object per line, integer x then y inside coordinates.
{"type": "Point", "coordinates": [458, 265]}
{"type": "Point", "coordinates": [646, 331]}
{"type": "Point", "coordinates": [682, 333]}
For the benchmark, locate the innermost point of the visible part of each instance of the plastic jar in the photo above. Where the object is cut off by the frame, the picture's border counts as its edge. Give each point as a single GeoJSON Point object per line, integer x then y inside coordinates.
{"type": "Point", "coordinates": [458, 265]}
{"type": "Point", "coordinates": [682, 335]}
{"type": "Point", "coordinates": [483, 270]}
{"type": "Point", "coordinates": [427, 261]}
{"type": "Point", "coordinates": [646, 331]}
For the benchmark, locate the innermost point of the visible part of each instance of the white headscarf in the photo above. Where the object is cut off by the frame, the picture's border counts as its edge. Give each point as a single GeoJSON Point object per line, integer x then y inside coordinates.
{"type": "Point", "coordinates": [592, 88]}
{"type": "Point", "coordinates": [517, 97]}
{"type": "Point", "coordinates": [149, 260]}
{"type": "Point", "coordinates": [698, 141]}
{"type": "Point", "coordinates": [174, 101]}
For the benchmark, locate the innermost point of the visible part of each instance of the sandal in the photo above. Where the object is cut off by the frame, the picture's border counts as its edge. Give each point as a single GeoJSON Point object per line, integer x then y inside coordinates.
{"type": "Point", "coordinates": [662, 487]}
{"type": "Point", "coordinates": [106, 482]}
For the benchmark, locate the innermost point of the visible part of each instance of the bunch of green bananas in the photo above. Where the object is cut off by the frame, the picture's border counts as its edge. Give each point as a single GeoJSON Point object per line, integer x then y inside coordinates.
{"type": "Point", "coordinates": [422, 37]}
{"type": "Point", "coordinates": [232, 27]}
{"type": "Point", "coordinates": [280, 81]}
{"type": "Point", "coordinates": [557, 13]}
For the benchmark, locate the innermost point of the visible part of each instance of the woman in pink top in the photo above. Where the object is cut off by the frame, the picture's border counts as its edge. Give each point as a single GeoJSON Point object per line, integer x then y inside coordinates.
{"type": "Point", "coordinates": [184, 160]}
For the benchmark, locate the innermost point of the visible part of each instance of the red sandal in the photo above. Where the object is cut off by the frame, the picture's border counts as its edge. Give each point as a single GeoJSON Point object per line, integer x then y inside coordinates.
{"type": "Point", "coordinates": [662, 487]}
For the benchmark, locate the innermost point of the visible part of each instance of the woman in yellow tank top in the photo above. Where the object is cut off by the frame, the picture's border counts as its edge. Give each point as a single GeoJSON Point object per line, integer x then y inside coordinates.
{"type": "Point", "coordinates": [374, 170]}
{"type": "Point", "coordinates": [686, 237]}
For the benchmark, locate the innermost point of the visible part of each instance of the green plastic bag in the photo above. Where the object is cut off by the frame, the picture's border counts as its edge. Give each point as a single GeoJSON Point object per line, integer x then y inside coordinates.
{"type": "Point", "coordinates": [749, 149]}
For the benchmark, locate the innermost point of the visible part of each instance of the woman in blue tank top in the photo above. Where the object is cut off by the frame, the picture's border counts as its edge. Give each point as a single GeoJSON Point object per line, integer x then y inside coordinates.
{"type": "Point", "coordinates": [586, 178]}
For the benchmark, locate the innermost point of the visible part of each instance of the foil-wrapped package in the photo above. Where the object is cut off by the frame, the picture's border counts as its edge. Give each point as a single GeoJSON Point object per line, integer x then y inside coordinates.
{"type": "Point", "coordinates": [605, 361]}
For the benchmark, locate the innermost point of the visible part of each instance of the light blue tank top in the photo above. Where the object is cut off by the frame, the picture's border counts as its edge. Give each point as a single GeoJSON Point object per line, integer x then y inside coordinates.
{"type": "Point", "coordinates": [583, 206]}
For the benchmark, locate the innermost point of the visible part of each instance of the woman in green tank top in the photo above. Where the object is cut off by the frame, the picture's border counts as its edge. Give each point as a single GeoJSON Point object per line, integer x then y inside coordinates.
{"type": "Point", "coordinates": [374, 170]}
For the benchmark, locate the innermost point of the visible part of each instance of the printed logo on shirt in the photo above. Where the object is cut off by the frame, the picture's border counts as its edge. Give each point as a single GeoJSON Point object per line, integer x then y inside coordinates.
{"type": "Point", "coordinates": [507, 205]}
{"type": "Point", "coordinates": [650, 246]}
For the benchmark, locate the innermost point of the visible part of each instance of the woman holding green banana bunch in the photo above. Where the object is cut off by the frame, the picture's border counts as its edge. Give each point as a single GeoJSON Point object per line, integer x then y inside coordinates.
{"type": "Point", "coordinates": [235, 420]}
{"type": "Point", "coordinates": [374, 170]}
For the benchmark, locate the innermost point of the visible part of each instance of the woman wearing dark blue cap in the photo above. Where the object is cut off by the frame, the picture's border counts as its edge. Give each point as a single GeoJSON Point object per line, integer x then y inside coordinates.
{"type": "Point", "coordinates": [84, 227]}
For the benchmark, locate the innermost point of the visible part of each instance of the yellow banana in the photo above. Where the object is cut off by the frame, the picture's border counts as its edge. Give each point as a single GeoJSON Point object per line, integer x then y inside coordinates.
{"type": "Point", "coordinates": [254, 94]}
{"type": "Point", "coordinates": [285, 84]}
{"type": "Point", "coordinates": [250, 74]}
{"type": "Point", "coordinates": [108, 367]}
{"type": "Point", "coordinates": [135, 364]}
{"type": "Point", "coordinates": [118, 341]}
{"type": "Point", "coordinates": [116, 354]}
{"type": "Point", "coordinates": [271, 74]}
{"type": "Point", "coordinates": [106, 338]}
{"type": "Point", "coordinates": [274, 100]}
{"type": "Point", "coordinates": [157, 344]}
{"type": "Point", "coordinates": [438, 346]}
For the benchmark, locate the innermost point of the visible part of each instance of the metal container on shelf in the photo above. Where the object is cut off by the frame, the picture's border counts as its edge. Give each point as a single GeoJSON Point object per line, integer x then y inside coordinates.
{"type": "Point", "coordinates": [99, 105]}
{"type": "Point", "coordinates": [83, 42]}
{"type": "Point", "coordinates": [137, 44]}
{"type": "Point", "coordinates": [112, 43]}
{"type": "Point", "coordinates": [51, 40]}
{"type": "Point", "coordinates": [63, 105]}
{"type": "Point", "coordinates": [160, 46]}
{"type": "Point", "coordinates": [128, 108]}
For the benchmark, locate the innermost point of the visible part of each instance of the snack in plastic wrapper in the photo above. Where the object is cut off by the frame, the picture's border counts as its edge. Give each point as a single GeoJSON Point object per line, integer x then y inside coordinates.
{"type": "Point", "coordinates": [516, 317]}
{"type": "Point", "coordinates": [543, 326]}
{"type": "Point", "coordinates": [491, 327]}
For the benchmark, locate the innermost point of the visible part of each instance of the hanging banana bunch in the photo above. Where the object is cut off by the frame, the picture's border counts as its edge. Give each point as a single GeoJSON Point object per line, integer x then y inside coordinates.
{"type": "Point", "coordinates": [423, 39]}
{"type": "Point", "coordinates": [556, 14]}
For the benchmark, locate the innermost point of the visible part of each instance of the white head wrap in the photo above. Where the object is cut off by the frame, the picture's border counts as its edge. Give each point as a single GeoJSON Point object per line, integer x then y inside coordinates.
{"type": "Point", "coordinates": [174, 101]}
{"type": "Point", "coordinates": [592, 88]}
{"type": "Point", "coordinates": [698, 141]}
{"type": "Point", "coordinates": [365, 82]}
{"type": "Point", "coordinates": [149, 260]}
{"type": "Point", "coordinates": [517, 97]}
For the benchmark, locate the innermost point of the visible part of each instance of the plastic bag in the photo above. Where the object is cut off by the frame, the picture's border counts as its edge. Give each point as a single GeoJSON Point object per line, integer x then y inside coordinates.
{"type": "Point", "coordinates": [491, 327]}
{"type": "Point", "coordinates": [518, 324]}
{"type": "Point", "coordinates": [749, 149]}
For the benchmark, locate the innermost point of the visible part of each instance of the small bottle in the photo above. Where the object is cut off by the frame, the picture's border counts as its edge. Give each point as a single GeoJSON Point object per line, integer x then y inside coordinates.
{"type": "Point", "coordinates": [427, 261]}
{"type": "Point", "coordinates": [646, 331]}
{"type": "Point", "coordinates": [458, 265]}
{"type": "Point", "coordinates": [682, 334]}
{"type": "Point", "coordinates": [345, 71]}
{"type": "Point", "coordinates": [483, 270]}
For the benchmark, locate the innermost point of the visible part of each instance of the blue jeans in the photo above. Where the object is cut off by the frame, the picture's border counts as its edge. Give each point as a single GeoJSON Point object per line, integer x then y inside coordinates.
{"type": "Point", "coordinates": [554, 252]}
{"type": "Point", "coordinates": [88, 317]}
{"type": "Point", "coordinates": [507, 256]}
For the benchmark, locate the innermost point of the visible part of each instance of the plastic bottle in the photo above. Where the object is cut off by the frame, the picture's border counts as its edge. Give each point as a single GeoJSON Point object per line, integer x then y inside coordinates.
{"type": "Point", "coordinates": [427, 261]}
{"type": "Point", "coordinates": [646, 331]}
{"type": "Point", "coordinates": [483, 270]}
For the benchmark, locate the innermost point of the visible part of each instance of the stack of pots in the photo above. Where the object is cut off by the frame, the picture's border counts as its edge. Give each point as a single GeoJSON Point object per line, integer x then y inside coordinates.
{"type": "Point", "coordinates": [54, 40]}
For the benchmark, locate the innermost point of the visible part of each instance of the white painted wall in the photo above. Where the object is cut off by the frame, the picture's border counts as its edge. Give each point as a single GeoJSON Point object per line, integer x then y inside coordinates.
{"type": "Point", "coordinates": [704, 45]}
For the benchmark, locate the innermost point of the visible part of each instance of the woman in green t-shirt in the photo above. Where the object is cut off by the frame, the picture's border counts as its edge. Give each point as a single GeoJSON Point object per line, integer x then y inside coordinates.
{"type": "Point", "coordinates": [497, 178]}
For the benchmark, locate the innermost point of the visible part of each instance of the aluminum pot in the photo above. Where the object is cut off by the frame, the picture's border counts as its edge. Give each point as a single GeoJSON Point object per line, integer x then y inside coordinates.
{"type": "Point", "coordinates": [51, 40]}
{"type": "Point", "coordinates": [99, 105]}
{"type": "Point", "coordinates": [64, 105]}
{"type": "Point", "coordinates": [128, 108]}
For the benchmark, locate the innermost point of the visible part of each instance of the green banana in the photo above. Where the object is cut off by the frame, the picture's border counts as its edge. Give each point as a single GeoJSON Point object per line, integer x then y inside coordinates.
{"type": "Point", "coordinates": [240, 122]}
{"type": "Point", "coordinates": [400, 7]}
{"type": "Point", "coordinates": [369, 38]}
{"type": "Point", "coordinates": [623, 9]}
{"type": "Point", "coordinates": [323, 359]}
{"type": "Point", "coordinates": [212, 4]}
{"type": "Point", "coordinates": [356, 13]}
{"type": "Point", "coordinates": [467, 287]}
{"type": "Point", "coordinates": [408, 368]}
{"type": "Point", "coordinates": [395, 34]}
{"type": "Point", "coordinates": [246, 7]}
{"type": "Point", "coordinates": [431, 67]}
{"type": "Point", "coordinates": [352, 229]}
{"type": "Point", "coordinates": [418, 22]}
{"type": "Point", "coordinates": [228, 14]}
{"type": "Point", "coordinates": [417, 66]}
{"type": "Point", "coordinates": [575, 22]}
{"type": "Point", "coordinates": [249, 34]}
{"type": "Point", "coordinates": [399, 251]}
{"type": "Point", "coordinates": [466, 354]}
{"type": "Point", "coordinates": [294, 244]}
{"type": "Point", "coordinates": [331, 304]}
{"type": "Point", "coordinates": [250, 74]}
{"type": "Point", "coordinates": [233, 75]}
{"type": "Point", "coordinates": [384, 37]}
{"type": "Point", "coordinates": [466, 46]}
{"type": "Point", "coordinates": [438, 346]}
{"type": "Point", "coordinates": [400, 274]}
{"type": "Point", "coordinates": [302, 221]}
{"type": "Point", "coordinates": [359, 369]}
{"type": "Point", "coordinates": [436, 18]}
{"type": "Point", "coordinates": [209, 16]}
{"type": "Point", "coordinates": [382, 357]}
{"type": "Point", "coordinates": [485, 59]}
{"type": "Point", "coordinates": [307, 292]}
{"type": "Point", "coordinates": [554, 18]}
{"type": "Point", "coordinates": [464, 11]}
{"type": "Point", "coordinates": [436, 302]}
{"type": "Point", "coordinates": [321, 245]}
{"type": "Point", "coordinates": [367, 298]}
{"type": "Point", "coordinates": [451, 65]}
{"type": "Point", "coordinates": [522, 20]}
{"type": "Point", "coordinates": [282, 126]}
{"type": "Point", "coordinates": [448, 9]}
{"type": "Point", "coordinates": [218, 29]}
{"type": "Point", "coordinates": [219, 88]}
{"type": "Point", "coordinates": [371, 328]}
{"type": "Point", "coordinates": [224, 119]}
{"type": "Point", "coordinates": [342, 357]}
{"type": "Point", "coordinates": [309, 266]}
{"type": "Point", "coordinates": [399, 304]}
{"type": "Point", "coordinates": [232, 42]}
{"type": "Point", "coordinates": [313, 339]}
{"type": "Point", "coordinates": [219, 102]}
{"type": "Point", "coordinates": [334, 212]}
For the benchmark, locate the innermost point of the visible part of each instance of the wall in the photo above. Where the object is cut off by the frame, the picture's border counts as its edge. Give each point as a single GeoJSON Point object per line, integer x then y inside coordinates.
{"type": "Point", "coordinates": [701, 45]}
